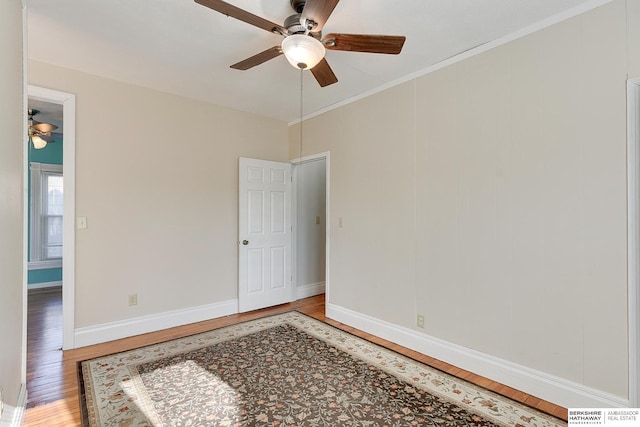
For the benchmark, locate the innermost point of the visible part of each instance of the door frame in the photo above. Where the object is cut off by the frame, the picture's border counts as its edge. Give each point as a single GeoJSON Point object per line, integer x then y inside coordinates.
{"type": "Point", "coordinates": [633, 238]}
{"type": "Point", "coordinates": [326, 155]}
{"type": "Point", "coordinates": [68, 102]}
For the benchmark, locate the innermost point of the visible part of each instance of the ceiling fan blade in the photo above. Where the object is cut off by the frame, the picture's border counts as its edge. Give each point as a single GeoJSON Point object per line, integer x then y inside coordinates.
{"type": "Point", "coordinates": [324, 74]}
{"type": "Point", "coordinates": [318, 11]}
{"type": "Point", "coordinates": [258, 59]}
{"type": "Point", "coordinates": [364, 43]}
{"type": "Point", "coordinates": [241, 14]}
{"type": "Point", "coordinates": [47, 138]}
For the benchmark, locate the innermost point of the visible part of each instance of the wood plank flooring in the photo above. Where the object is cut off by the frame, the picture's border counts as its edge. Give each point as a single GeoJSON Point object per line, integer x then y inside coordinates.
{"type": "Point", "coordinates": [44, 346]}
{"type": "Point", "coordinates": [52, 381]}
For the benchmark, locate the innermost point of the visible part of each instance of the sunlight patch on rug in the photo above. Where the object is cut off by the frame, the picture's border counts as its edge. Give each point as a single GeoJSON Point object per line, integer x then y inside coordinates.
{"type": "Point", "coordinates": [287, 369]}
{"type": "Point", "coordinates": [170, 392]}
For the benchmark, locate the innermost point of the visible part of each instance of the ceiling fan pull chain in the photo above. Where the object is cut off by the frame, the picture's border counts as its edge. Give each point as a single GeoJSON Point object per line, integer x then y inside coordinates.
{"type": "Point", "coordinates": [301, 111]}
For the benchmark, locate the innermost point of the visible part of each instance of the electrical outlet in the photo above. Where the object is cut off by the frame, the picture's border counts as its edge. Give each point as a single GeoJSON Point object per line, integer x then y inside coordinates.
{"type": "Point", "coordinates": [420, 321]}
{"type": "Point", "coordinates": [133, 299]}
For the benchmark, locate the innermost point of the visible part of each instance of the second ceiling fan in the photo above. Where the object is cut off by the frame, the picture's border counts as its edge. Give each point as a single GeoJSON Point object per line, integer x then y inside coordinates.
{"type": "Point", "coordinates": [303, 44]}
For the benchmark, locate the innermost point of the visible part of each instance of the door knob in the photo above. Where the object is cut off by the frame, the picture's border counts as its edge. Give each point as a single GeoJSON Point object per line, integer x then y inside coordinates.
{"type": "Point", "coordinates": [245, 242]}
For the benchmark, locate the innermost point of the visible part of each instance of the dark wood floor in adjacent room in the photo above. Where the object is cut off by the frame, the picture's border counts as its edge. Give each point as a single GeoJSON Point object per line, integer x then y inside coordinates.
{"type": "Point", "coordinates": [44, 346]}
{"type": "Point", "coordinates": [52, 381]}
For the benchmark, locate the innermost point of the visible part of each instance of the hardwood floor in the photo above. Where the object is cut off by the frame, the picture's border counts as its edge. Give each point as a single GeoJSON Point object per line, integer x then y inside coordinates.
{"type": "Point", "coordinates": [52, 381]}
{"type": "Point", "coordinates": [44, 346]}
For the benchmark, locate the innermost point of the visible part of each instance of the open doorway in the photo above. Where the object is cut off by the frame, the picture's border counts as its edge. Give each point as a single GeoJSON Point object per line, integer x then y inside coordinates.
{"type": "Point", "coordinates": [44, 218]}
{"type": "Point", "coordinates": [311, 265]}
{"type": "Point", "coordinates": [68, 103]}
{"type": "Point", "coordinates": [278, 263]}
{"type": "Point", "coordinates": [61, 328]}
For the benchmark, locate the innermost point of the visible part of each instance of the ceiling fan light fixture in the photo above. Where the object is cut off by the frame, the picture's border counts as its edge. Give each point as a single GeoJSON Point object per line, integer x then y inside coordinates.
{"type": "Point", "coordinates": [44, 127]}
{"type": "Point", "coordinates": [303, 51]}
{"type": "Point", "coordinates": [38, 143]}
{"type": "Point", "coordinates": [39, 133]}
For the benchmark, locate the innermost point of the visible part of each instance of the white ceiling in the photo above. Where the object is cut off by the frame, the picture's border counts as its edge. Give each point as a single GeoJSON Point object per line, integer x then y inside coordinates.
{"type": "Point", "coordinates": [181, 47]}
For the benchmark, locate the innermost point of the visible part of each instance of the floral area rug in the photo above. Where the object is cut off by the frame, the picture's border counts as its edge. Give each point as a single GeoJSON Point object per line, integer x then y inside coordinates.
{"type": "Point", "coordinates": [284, 370]}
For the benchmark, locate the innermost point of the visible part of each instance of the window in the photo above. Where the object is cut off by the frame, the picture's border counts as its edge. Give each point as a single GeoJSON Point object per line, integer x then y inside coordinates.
{"type": "Point", "coordinates": [47, 208]}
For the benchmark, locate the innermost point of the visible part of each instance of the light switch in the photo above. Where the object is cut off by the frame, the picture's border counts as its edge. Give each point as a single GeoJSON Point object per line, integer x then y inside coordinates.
{"type": "Point", "coordinates": [317, 220]}
{"type": "Point", "coordinates": [340, 223]}
{"type": "Point", "coordinates": [81, 222]}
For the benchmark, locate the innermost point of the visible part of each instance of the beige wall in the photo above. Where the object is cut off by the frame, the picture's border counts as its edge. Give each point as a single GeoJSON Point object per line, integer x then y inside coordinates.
{"type": "Point", "coordinates": [633, 20]}
{"type": "Point", "coordinates": [372, 190]}
{"type": "Point", "coordinates": [490, 196]}
{"type": "Point", "coordinates": [11, 201]}
{"type": "Point", "coordinates": [157, 179]}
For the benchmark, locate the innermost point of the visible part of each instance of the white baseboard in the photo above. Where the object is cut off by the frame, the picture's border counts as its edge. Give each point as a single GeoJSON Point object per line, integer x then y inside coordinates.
{"type": "Point", "coordinates": [12, 416]}
{"type": "Point", "coordinates": [542, 385]}
{"type": "Point", "coordinates": [156, 322]}
{"type": "Point", "coordinates": [44, 285]}
{"type": "Point", "coordinates": [307, 291]}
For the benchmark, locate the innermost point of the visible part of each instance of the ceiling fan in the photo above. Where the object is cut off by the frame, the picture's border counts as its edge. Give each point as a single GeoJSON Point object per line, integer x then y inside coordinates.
{"type": "Point", "coordinates": [303, 44]}
{"type": "Point", "coordinates": [39, 133]}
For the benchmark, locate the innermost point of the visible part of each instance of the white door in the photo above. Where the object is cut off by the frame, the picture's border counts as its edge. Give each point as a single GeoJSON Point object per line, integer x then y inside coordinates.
{"type": "Point", "coordinates": [264, 234]}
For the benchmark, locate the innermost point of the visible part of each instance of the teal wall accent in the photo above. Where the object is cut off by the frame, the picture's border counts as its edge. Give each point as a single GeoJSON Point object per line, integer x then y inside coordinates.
{"type": "Point", "coordinates": [51, 154]}
{"type": "Point", "coordinates": [44, 276]}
